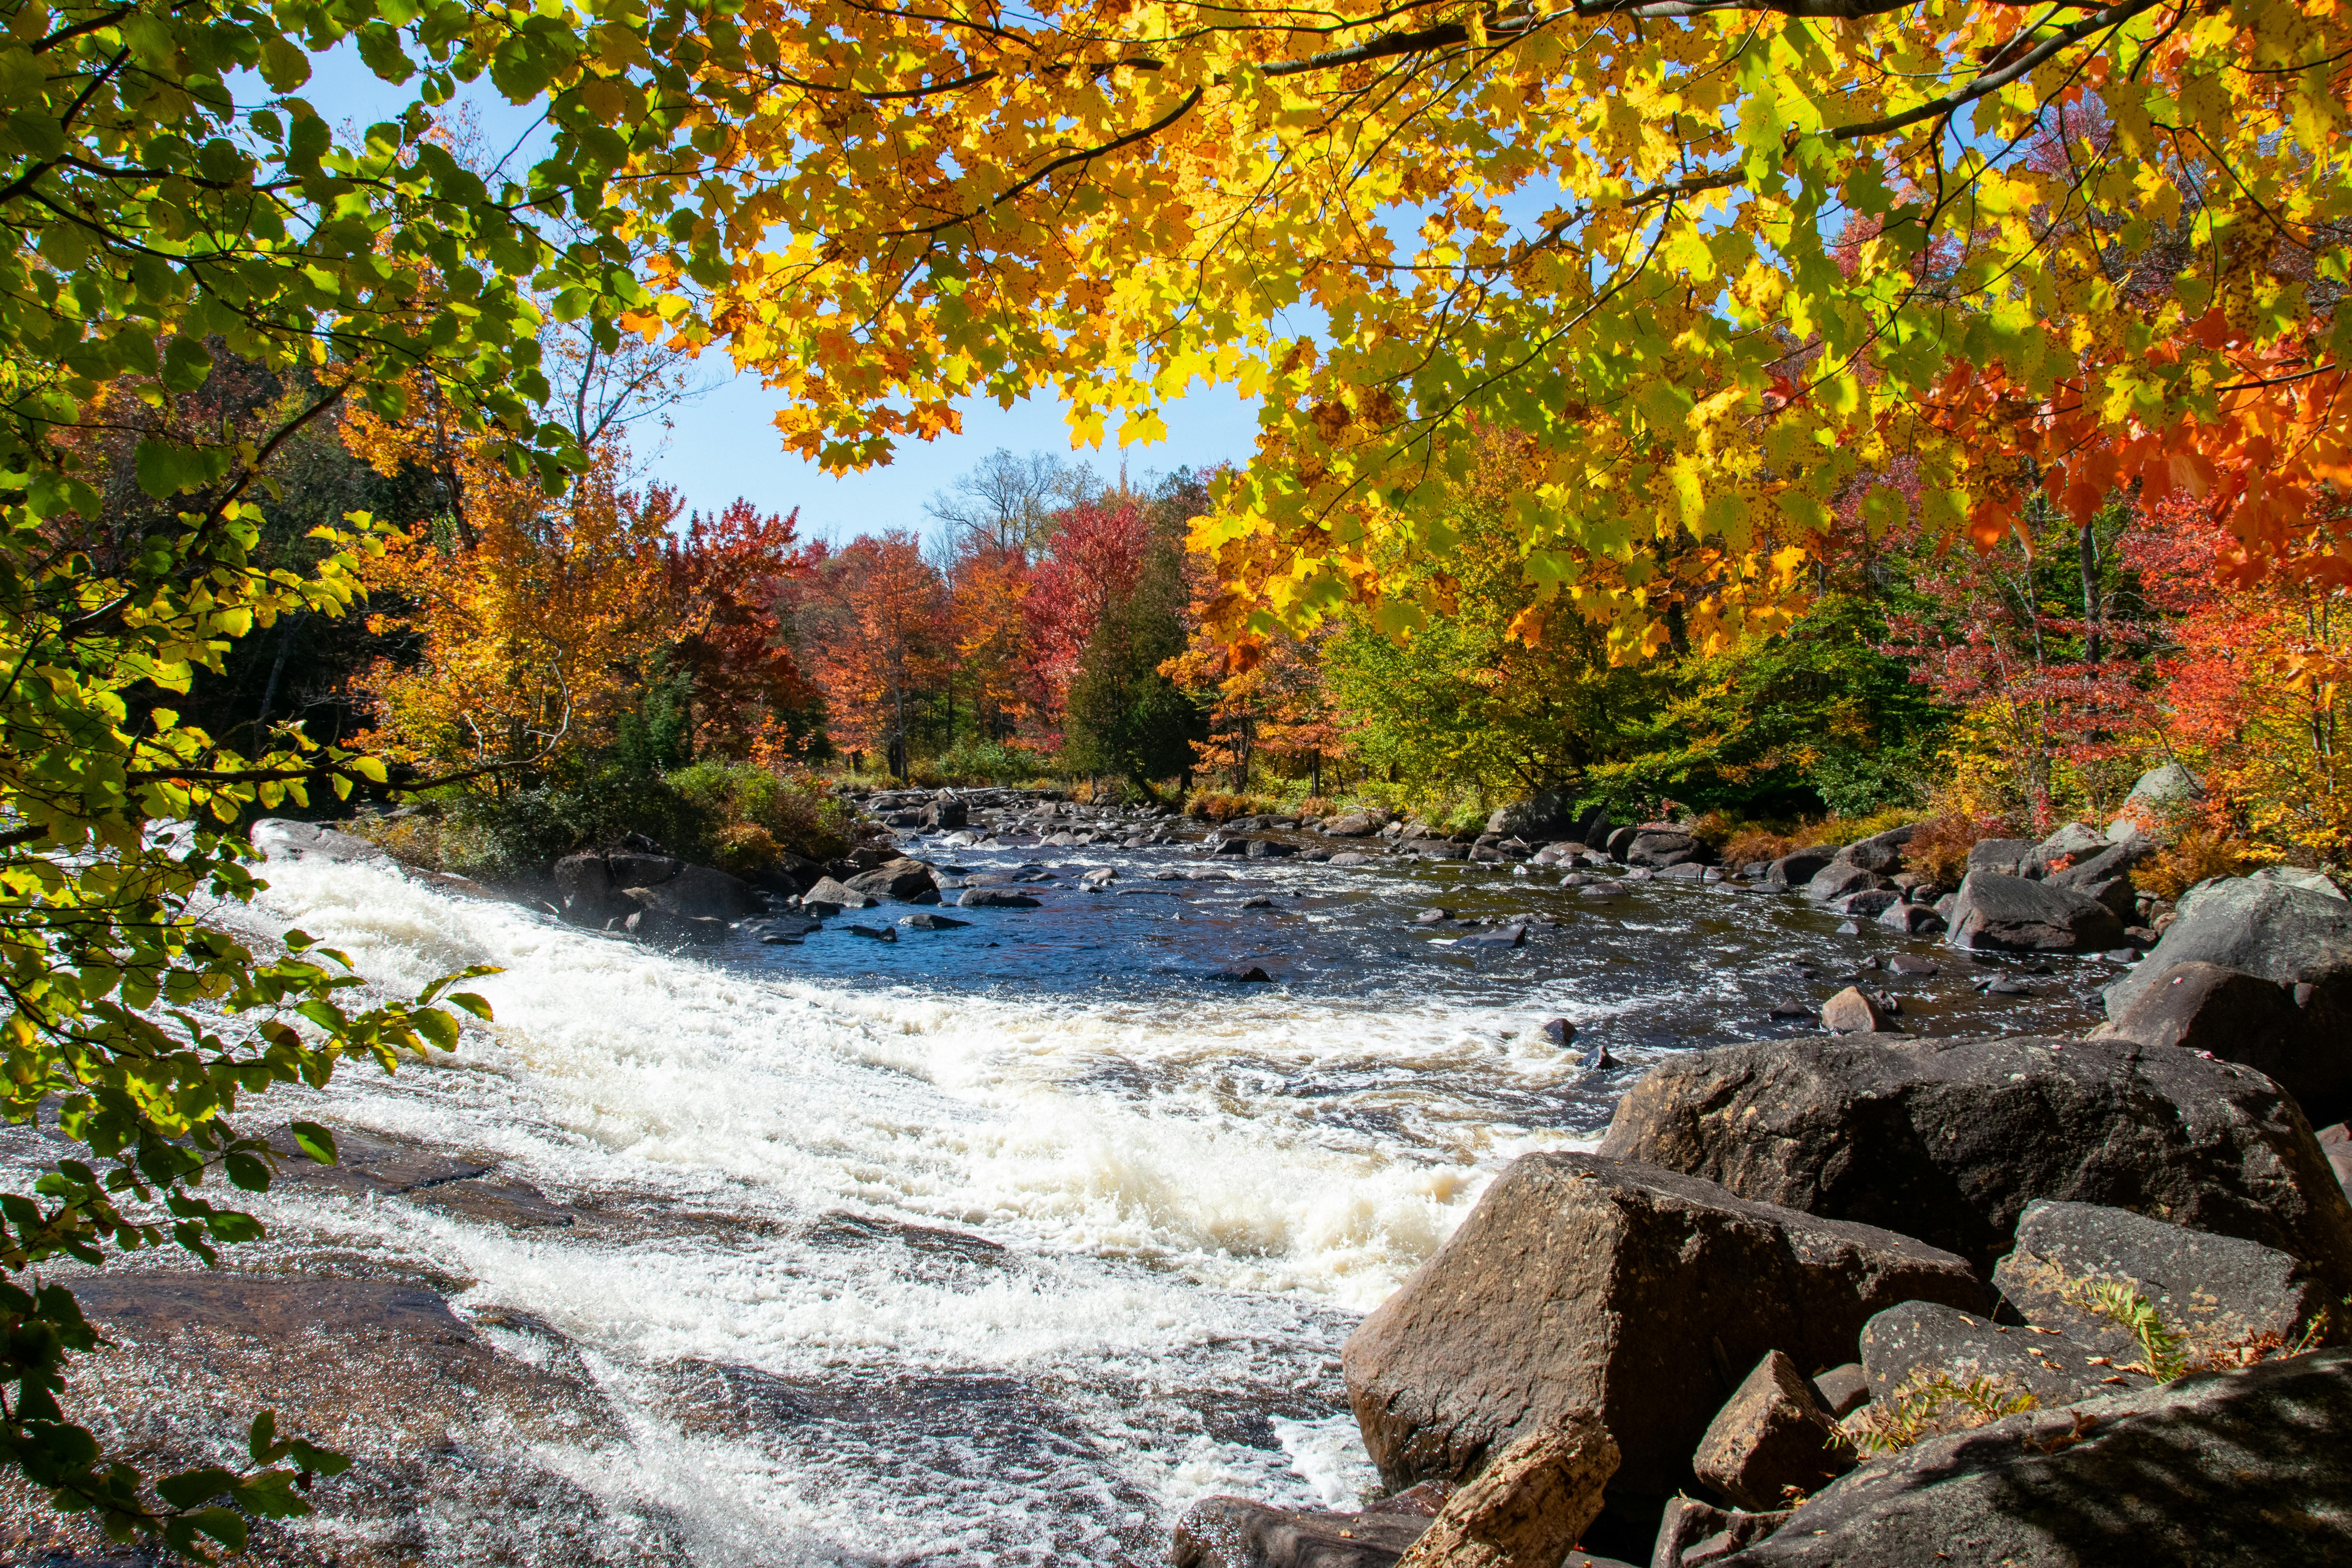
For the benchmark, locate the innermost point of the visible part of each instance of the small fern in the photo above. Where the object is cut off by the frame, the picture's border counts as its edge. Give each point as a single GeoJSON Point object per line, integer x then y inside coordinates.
{"type": "Point", "coordinates": [2164, 1350]}
{"type": "Point", "coordinates": [1930, 1403]}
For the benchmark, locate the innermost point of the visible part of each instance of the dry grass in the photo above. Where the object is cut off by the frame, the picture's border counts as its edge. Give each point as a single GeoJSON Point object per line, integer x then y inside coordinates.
{"type": "Point", "coordinates": [1219, 805]}
{"type": "Point", "coordinates": [1939, 847]}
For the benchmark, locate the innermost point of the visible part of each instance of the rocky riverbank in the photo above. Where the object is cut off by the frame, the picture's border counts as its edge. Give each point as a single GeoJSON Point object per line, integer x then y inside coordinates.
{"type": "Point", "coordinates": [1875, 1301]}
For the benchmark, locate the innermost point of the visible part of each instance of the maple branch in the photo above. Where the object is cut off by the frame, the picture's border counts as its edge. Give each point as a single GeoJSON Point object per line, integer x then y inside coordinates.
{"type": "Point", "coordinates": [1993, 81]}
{"type": "Point", "coordinates": [1084, 155]}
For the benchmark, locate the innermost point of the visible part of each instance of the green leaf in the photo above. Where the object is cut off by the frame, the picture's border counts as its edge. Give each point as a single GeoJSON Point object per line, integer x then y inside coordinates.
{"type": "Point", "coordinates": [314, 1140]}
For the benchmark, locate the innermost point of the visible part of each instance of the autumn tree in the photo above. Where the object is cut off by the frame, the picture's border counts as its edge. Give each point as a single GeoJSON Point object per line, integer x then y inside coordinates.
{"type": "Point", "coordinates": [870, 621]}
{"type": "Point", "coordinates": [1623, 220]}
{"type": "Point", "coordinates": [725, 579]}
{"type": "Point", "coordinates": [1093, 560]}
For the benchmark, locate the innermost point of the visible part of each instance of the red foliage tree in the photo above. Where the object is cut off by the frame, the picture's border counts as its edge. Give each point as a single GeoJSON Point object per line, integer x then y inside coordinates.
{"type": "Point", "coordinates": [873, 624]}
{"type": "Point", "coordinates": [1093, 560]}
{"type": "Point", "coordinates": [725, 574]}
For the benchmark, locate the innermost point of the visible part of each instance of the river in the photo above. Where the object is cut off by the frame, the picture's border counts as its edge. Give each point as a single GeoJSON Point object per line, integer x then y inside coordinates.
{"type": "Point", "coordinates": [1012, 1240]}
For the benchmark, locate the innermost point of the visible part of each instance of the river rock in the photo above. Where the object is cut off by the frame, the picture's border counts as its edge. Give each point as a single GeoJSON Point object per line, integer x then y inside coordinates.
{"type": "Point", "coordinates": [1548, 813]}
{"type": "Point", "coordinates": [1842, 1389]}
{"type": "Point", "coordinates": [1951, 1139]}
{"type": "Point", "coordinates": [1659, 847]}
{"type": "Point", "coordinates": [1911, 919]}
{"type": "Point", "coordinates": [283, 838]}
{"type": "Point", "coordinates": [585, 893]}
{"type": "Point", "coordinates": [1354, 825]}
{"type": "Point", "coordinates": [2247, 1019]}
{"type": "Point", "coordinates": [2153, 804]}
{"type": "Point", "coordinates": [839, 895]}
{"type": "Point", "coordinates": [1905, 1346]}
{"type": "Point", "coordinates": [2011, 915]}
{"type": "Point", "coordinates": [641, 869]}
{"type": "Point", "coordinates": [1796, 869]}
{"type": "Point", "coordinates": [901, 880]}
{"type": "Point", "coordinates": [2285, 927]}
{"type": "Point", "coordinates": [2235, 1469]}
{"type": "Point", "coordinates": [1245, 975]}
{"type": "Point", "coordinates": [1835, 881]}
{"type": "Point", "coordinates": [694, 893]}
{"type": "Point", "coordinates": [1497, 939]}
{"type": "Point", "coordinates": [946, 813]}
{"type": "Point", "coordinates": [2008, 856]}
{"type": "Point", "coordinates": [2109, 860]}
{"type": "Point", "coordinates": [926, 920]}
{"type": "Point", "coordinates": [1881, 852]}
{"type": "Point", "coordinates": [1528, 1506]}
{"type": "Point", "coordinates": [994, 899]}
{"type": "Point", "coordinates": [2074, 841]}
{"type": "Point", "coordinates": [2218, 1290]}
{"type": "Point", "coordinates": [1770, 1436]}
{"type": "Point", "coordinates": [437, 1421]}
{"type": "Point", "coordinates": [1854, 1011]}
{"type": "Point", "coordinates": [1868, 904]}
{"type": "Point", "coordinates": [1579, 1286]}
{"type": "Point", "coordinates": [1235, 1533]}
{"type": "Point", "coordinates": [664, 929]}
{"type": "Point", "coordinates": [1695, 1534]}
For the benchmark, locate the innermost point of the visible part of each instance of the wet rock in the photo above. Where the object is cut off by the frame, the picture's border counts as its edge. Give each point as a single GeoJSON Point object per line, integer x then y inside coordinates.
{"type": "Point", "coordinates": [1559, 1031]}
{"type": "Point", "coordinates": [584, 890]}
{"type": "Point", "coordinates": [1528, 1504]}
{"type": "Point", "coordinates": [1692, 1534]}
{"type": "Point", "coordinates": [1245, 975]}
{"type": "Point", "coordinates": [1772, 1437]}
{"type": "Point", "coordinates": [1907, 1345]}
{"type": "Point", "coordinates": [1688, 871]}
{"type": "Point", "coordinates": [641, 869]}
{"type": "Point", "coordinates": [1235, 1533]}
{"type": "Point", "coordinates": [1842, 1389]}
{"type": "Point", "coordinates": [283, 838]}
{"type": "Point", "coordinates": [901, 880]}
{"type": "Point", "coordinates": [1790, 1010]}
{"type": "Point", "coordinates": [369, 1163]}
{"type": "Point", "coordinates": [873, 933]}
{"type": "Point", "coordinates": [2005, 985]}
{"type": "Point", "coordinates": [2011, 914]}
{"type": "Point", "coordinates": [1355, 824]}
{"type": "Point", "coordinates": [993, 899]}
{"type": "Point", "coordinates": [696, 893]}
{"type": "Point", "coordinates": [2286, 927]}
{"type": "Point", "coordinates": [1509, 936]}
{"type": "Point", "coordinates": [1912, 919]}
{"type": "Point", "coordinates": [837, 894]}
{"type": "Point", "coordinates": [1950, 1140]}
{"type": "Point", "coordinates": [1581, 1285]}
{"type": "Point", "coordinates": [1835, 881]}
{"type": "Point", "coordinates": [1595, 1058]}
{"type": "Point", "coordinates": [1226, 847]}
{"type": "Point", "coordinates": [664, 929]}
{"type": "Point", "coordinates": [946, 815]}
{"type": "Point", "coordinates": [1661, 847]}
{"type": "Point", "coordinates": [1351, 857]}
{"type": "Point", "coordinates": [502, 1201]}
{"type": "Point", "coordinates": [2255, 1021]}
{"type": "Point", "coordinates": [1868, 904]}
{"type": "Point", "coordinates": [2239, 1468]}
{"type": "Point", "coordinates": [927, 921]}
{"type": "Point", "coordinates": [1794, 871]}
{"type": "Point", "coordinates": [2219, 1290]}
{"type": "Point", "coordinates": [1259, 903]}
{"type": "Point", "coordinates": [1912, 964]}
{"type": "Point", "coordinates": [1432, 917]}
{"type": "Point", "coordinates": [1854, 1011]}
{"type": "Point", "coordinates": [440, 1426]}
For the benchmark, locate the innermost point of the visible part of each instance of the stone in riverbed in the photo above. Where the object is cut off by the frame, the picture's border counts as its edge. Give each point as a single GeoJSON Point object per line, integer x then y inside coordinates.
{"type": "Point", "coordinates": [1769, 1436]}
{"type": "Point", "coordinates": [900, 879]}
{"type": "Point", "coordinates": [873, 933]}
{"type": "Point", "coordinates": [1499, 940]}
{"type": "Point", "coordinates": [2229, 1469]}
{"type": "Point", "coordinates": [1835, 881]}
{"type": "Point", "coordinates": [1235, 1533]}
{"type": "Point", "coordinates": [696, 893]}
{"type": "Point", "coordinates": [2282, 926]}
{"type": "Point", "coordinates": [1854, 1011]}
{"type": "Point", "coordinates": [1794, 871]}
{"type": "Point", "coordinates": [1581, 1285]}
{"type": "Point", "coordinates": [839, 895]}
{"type": "Point", "coordinates": [2216, 1289]}
{"type": "Point", "coordinates": [283, 838]}
{"type": "Point", "coordinates": [1245, 975]}
{"type": "Point", "coordinates": [2011, 915]}
{"type": "Point", "coordinates": [664, 929]}
{"type": "Point", "coordinates": [929, 921]}
{"type": "Point", "coordinates": [1528, 1506]}
{"type": "Point", "coordinates": [1950, 1140]}
{"type": "Point", "coordinates": [1912, 919]}
{"type": "Point", "coordinates": [993, 899]}
{"type": "Point", "coordinates": [2247, 1019]}
{"type": "Point", "coordinates": [2005, 856]}
{"type": "Point", "coordinates": [1869, 904]}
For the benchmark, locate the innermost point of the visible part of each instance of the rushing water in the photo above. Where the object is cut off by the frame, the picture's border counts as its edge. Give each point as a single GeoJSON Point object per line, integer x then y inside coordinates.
{"type": "Point", "coordinates": [1003, 1244]}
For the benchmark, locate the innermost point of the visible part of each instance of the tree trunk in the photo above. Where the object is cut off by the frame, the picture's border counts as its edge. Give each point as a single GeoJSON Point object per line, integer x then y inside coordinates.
{"type": "Point", "coordinates": [2087, 554]}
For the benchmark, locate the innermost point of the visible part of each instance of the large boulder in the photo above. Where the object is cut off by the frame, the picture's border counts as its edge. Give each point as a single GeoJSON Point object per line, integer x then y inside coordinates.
{"type": "Point", "coordinates": [697, 893]}
{"type": "Point", "coordinates": [2093, 866]}
{"type": "Point", "coordinates": [1798, 867]}
{"type": "Point", "coordinates": [2299, 1036]}
{"type": "Point", "coordinates": [1881, 852]}
{"type": "Point", "coordinates": [283, 838]}
{"type": "Point", "coordinates": [838, 895]}
{"type": "Point", "coordinates": [1658, 848]}
{"type": "Point", "coordinates": [1839, 880]}
{"type": "Point", "coordinates": [1583, 1286]}
{"type": "Point", "coordinates": [2282, 925]}
{"type": "Point", "coordinates": [946, 813]}
{"type": "Point", "coordinates": [585, 893]}
{"type": "Point", "coordinates": [900, 879]}
{"type": "Point", "coordinates": [1237, 1533]}
{"type": "Point", "coordinates": [2156, 802]}
{"type": "Point", "coordinates": [2237, 1469]}
{"type": "Point", "coordinates": [1949, 1140]}
{"type": "Point", "coordinates": [1548, 813]}
{"type": "Point", "coordinates": [2009, 856]}
{"type": "Point", "coordinates": [2215, 1291]}
{"type": "Point", "coordinates": [2011, 915]}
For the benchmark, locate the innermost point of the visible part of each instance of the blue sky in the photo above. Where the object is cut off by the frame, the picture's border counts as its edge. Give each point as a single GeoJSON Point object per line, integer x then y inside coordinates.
{"type": "Point", "coordinates": [724, 445]}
